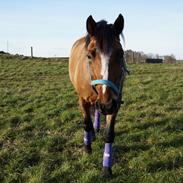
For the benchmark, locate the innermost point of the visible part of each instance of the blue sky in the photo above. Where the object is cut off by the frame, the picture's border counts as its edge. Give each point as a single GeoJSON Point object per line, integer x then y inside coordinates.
{"type": "Point", "coordinates": [51, 26]}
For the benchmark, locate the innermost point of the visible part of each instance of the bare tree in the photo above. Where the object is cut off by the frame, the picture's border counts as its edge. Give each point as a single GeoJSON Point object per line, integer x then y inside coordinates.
{"type": "Point", "coordinates": [169, 59]}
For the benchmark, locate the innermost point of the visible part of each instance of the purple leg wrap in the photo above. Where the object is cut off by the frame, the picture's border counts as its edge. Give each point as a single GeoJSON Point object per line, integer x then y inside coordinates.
{"type": "Point", "coordinates": [107, 158]}
{"type": "Point", "coordinates": [97, 120]}
{"type": "Point", "coordinates": [87, 137]}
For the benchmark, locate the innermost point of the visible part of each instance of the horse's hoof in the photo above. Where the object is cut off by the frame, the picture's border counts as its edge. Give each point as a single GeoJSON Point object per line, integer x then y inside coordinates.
{"type": "Point", "coordinates": [107, 172]}
{"type": "Point", "coordinates": [88, 149]}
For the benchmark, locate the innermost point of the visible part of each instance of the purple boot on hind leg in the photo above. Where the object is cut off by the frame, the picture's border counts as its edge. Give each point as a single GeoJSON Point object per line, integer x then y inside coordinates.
{"type": "Point", "coordinates": [97, 121]}
{"type": "Point", "coordinates": [88, 141]}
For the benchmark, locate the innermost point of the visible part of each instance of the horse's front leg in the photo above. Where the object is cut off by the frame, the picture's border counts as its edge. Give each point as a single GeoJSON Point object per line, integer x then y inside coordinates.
{"type": "Point", "coordinates": [109, 139]}
{"type": "Point", "coordinates": [88, 126]}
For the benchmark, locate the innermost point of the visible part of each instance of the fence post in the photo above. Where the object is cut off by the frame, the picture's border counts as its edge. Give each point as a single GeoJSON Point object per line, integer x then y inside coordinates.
{"type": "Point", "coordinates": [31, 52]}
{"type": "Point", "coordinates": [7, 46]}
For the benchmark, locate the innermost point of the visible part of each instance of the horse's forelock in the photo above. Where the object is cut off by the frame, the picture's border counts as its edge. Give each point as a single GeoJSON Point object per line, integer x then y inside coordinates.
{"type": "Point", "coordinates": [104, 35]}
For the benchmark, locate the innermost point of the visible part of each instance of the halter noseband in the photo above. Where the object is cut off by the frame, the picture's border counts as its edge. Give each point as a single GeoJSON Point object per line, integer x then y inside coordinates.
{"type": "Point", "coordinates": [116, 90]}
{"type": "Point", "coordinates": [106, 82]}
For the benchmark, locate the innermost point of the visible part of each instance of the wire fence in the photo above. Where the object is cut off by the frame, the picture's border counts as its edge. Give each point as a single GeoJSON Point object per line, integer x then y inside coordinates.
{"type": "Point", "coordinates": [38, 50]}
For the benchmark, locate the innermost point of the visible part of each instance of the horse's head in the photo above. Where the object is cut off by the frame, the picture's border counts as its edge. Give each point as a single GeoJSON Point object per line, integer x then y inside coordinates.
{"type": "Point", "coordinates": [105, 56]}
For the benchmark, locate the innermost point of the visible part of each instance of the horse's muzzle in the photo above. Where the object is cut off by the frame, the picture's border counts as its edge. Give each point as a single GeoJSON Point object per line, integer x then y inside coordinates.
{"type": "Point", "coordinates": [109, 108]}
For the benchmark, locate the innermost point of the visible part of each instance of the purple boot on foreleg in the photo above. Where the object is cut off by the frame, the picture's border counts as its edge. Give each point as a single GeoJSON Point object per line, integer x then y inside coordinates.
{"type": "Point", "coordinates": [109, 136]}
{"type": "Point", "coordinates": [107, 160]}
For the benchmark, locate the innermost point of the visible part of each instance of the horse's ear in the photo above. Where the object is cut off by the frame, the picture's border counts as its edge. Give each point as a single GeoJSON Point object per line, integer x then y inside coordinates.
{"type": "Point", "coordinates": [119, 24]}
{"type": "Point", "coordinates": [90, 25]}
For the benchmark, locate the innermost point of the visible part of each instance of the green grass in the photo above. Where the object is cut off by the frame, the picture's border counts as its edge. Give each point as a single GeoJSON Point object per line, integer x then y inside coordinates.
{"type": "Point", "coordinates": [41, 128]}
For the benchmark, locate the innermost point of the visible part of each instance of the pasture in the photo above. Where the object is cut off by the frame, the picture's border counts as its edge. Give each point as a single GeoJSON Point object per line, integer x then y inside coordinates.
{"type": "Point", "coordinates": [41, 127]}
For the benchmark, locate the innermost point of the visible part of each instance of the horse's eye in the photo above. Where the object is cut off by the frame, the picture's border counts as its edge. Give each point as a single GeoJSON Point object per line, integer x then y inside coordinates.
{"type": "Point", "coordinates": [89, 56]}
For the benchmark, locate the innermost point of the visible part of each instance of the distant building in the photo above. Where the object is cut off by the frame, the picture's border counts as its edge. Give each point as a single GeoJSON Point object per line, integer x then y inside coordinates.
{"type": "Point", "coordinates": [154, 60]}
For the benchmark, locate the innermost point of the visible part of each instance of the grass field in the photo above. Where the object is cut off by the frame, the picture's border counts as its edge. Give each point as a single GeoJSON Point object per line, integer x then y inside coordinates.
{"type": "Point", "coordinates": [41, 129]}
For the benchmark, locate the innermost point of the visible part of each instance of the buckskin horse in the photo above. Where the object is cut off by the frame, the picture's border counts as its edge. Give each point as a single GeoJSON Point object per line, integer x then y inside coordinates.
{"type": "Point", "coordinates": [97, 70]}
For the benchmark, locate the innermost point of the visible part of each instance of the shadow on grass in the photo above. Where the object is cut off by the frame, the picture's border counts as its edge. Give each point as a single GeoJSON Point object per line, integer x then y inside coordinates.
{"type": "Point", "coordinates": [138, 147]}
{"type": "Point", "coordinates": [149, 124]}
{"type": "Point", "coordinates": [122, 132]}
{"type": "Point", "coordinates": [176, 125]}
{"type": "Point", "coordinates": [171, 164]}
{"type": "Point", "coordinates": [175, 142]}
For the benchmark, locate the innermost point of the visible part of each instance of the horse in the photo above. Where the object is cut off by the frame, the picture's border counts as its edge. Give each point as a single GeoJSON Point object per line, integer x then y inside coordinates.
{"type": "Point", "coordinates": [97, 70]}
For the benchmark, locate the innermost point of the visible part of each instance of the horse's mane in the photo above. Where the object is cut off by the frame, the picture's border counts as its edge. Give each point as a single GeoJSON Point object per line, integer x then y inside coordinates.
{"type": "Point", "coordinates": [104, 35]}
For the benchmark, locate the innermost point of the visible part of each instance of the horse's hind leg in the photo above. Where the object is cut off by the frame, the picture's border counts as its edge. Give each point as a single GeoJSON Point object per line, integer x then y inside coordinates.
{"type": "Point", "coordinates": [88, 126]}
{"type": "Point", "coordinates": [97, 120]}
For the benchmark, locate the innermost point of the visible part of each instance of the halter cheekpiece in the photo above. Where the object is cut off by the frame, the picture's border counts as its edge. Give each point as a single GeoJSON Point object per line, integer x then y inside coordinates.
{"type": "Point", "coordinates": [116, 89]}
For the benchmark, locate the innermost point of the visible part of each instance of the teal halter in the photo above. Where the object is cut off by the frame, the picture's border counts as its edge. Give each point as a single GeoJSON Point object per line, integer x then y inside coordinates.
{"type": "Point", "coordinates": [117, 90]}
{"type": "Point", "coordinates": [106, 82]}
